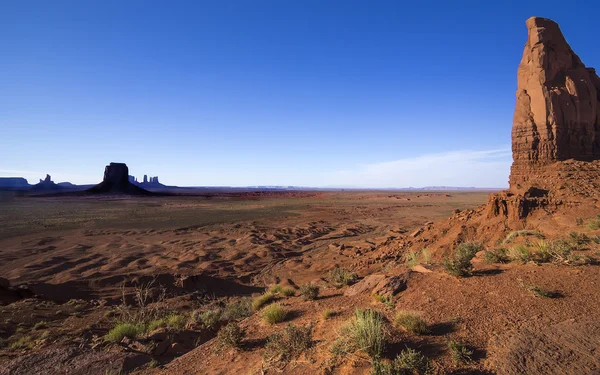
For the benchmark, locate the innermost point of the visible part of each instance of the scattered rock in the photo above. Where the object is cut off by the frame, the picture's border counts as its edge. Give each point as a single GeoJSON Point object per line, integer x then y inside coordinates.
{"type": "Point", "coordinates": [380, 284]}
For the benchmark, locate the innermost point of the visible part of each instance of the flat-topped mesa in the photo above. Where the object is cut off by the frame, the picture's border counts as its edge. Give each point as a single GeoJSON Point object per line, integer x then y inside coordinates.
{"type": "Point", "coordinates": [557, 114]}
{"type": "Point", "coordinates": [116, 181]}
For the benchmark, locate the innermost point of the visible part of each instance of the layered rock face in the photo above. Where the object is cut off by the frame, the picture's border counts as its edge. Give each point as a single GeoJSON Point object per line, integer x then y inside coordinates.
{"type": "Point", "coordinates": [557, 114]}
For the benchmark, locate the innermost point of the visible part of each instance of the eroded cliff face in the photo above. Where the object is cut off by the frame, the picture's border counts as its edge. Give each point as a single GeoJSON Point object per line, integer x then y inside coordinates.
{"type": "Point", "coordinates": [557, 113]}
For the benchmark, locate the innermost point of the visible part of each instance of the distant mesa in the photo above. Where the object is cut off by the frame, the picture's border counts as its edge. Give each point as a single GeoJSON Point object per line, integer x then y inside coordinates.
{"type": "Point", "coordinates": [14, 183]}
{"type": "Point", "coordinates": [147, 183]}
{"type": "Point", "coordinates": [117, 181]}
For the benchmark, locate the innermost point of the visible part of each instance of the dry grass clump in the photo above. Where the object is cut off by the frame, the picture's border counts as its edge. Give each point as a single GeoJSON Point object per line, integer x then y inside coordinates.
{"type": "Point", "coordinates": [365, 332]}
{"type": "Point", "coordinates": [499, 255]}
{"type": "Point", "coordinates": [415, 257]}
{"type": "Point", "coordinates": [283, 347]}
{"type": "Point", "coordinates": [387, 300]}
{"type": "Point", "coordinates": [341, 277]}
{"type": "Point", "coordinates": [412, 322]}
{"type": "Point", "coordinates": [328, 313]}
{"type": "Point", "coordinates": [408, 362]}
{"type": "Point", "coordinates": [262, 300]}
{"type": "Point", "coordinates": [231, 336]}
{"type": "Point", "coordinates": [459, 352]}
{"type": "Point", "coordinates": [309, 291]}
{"type": "Point", "coordinates": [273, 314]}
{"type": "Point", "coordinates": [460, 263]}
{"type": "Point", "coordinates": [520, 233]}
{"type": "Point", "coordinates": [209, 319]}
{"type": "Point", "coordinates": [238, 309]}
{"type": "Point", "coordinates": [122, 330]}
{"type": "Point", "coordinates": [594, 223]}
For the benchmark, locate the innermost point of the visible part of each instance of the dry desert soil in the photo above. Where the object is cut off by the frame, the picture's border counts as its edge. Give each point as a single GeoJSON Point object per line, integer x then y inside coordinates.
{"type": "Point", "coordinates": [75, 268]}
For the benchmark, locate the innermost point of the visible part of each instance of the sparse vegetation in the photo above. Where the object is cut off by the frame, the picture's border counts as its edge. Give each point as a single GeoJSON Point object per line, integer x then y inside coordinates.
{"type": "Point", "coordinates": [579, 239]}
{"type": "Point", "coordinates": [209, 319]}
{"type": "Point", "coordinates": [498, 255]}
{"type": "Point", "coordinates": [387, 300]}
{"type": "Point", "coordinates": [176, 321]}
{"type": "Point", "coordinates": [408, 362]}
{"type": "Point", "coordinates": [328, 313]}
{"type": "Point", "coordinates": [459, 352]}
{"type": "Point", "coordinates": [40, 325]}
{"type": "Point", "coordinates": [282, 347]}
{"type": "Point", "coordinates": [412, 322]}
{"type": "Point", "coordinates": [594, 224]}
{"type": "Point", "coordinates": [274, 313]}
{"type": "Point", "coordinates": [122, 330]}
{"type": "Point", "coordinates": [413, 258]}
{"type": "Point", "coordinates": [238, 309]}
{"type": "Point", "coordinates": [231, 336]}
{"type": "Point", "coordinates": [519, 253]}
{"type": "Point", "coordinates": [520, 233]}
{"type": "Point", "coordinates": [24, 342]}
{"type": "Point", "coordinates": [460, 263]}
{"type": "Point", "coordinates": [275, 289]}
{"type": "Point", "coordinates": [262, 300]}
{"type": "Point", "coordinates": [365, 332]}
{"type": "Point", "coordinates": [539, 291]}
{"type": "Point", "coordinates": [309, 291]}
{"type": "Point", "coordinates": [341, 277]}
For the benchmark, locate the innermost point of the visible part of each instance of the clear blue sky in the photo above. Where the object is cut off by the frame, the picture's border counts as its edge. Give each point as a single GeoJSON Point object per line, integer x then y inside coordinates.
{"type": "Point", "coordinates": [254, 92]}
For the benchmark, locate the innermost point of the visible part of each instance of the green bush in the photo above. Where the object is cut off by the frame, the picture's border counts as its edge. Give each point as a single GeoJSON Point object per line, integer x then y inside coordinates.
{"type": "Point", "coordinates": [341, 277]}
{"type": "Point", "coordinates": [520, 253]}
{"type": "Point", "coordinates": [408, 362]}
{"type": "Point", "coordinates": [231, 336]}
{"type": "Point", "coordinates": [24, 342]}
{"type": "Point", "coordinates": [309, 291]}
{"type": "Point", "coordinates": [365, 332]}
{"type": "Point", "coordinates": [238, 309]}
{"type": "Point", "coordinates": [459, 352]}
{"type": "Point", "coordinates": [594, 223]}
{"type": "Point", "coordinates": [460, 263]}
{"type": "Point", "coordinates": [496, 256]}
{"type": "Point", "coordinates": [273, 314]}
{"type": "Point", "coordinates": [122, 330]}
{"type": "Point", "coordinates": [288, 345]}
{"type": "Point", "coordinates": [288, 291]}
{"type": "Point", "coordinates": [262, 300]}
{"type": "Point", "coordinates": [411, 322]}
{"type": "Point", "coordinates": [210, 319]}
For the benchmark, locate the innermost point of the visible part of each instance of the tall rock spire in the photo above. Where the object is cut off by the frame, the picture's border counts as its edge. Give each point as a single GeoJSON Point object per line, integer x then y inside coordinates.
{"type": "Point", "coordinates": [557, 114]}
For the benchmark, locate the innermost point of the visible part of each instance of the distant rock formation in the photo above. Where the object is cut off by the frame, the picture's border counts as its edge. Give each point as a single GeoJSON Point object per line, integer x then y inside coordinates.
{"type": "Point", "coordinates": [557, 114]}
{"type": "Point", "coordinates": [145, 179]}
{"type": "Point", "coordinates": [46, 185]}
{"type": "Point", "coordinates": [14, 183]}
{"type": "Point", "coordinates": [116, 181]}
{"type": "Point", "coordinates": [133, 179]}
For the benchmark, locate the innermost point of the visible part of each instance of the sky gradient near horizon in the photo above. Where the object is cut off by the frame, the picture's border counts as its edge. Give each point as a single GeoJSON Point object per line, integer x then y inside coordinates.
{"type": "Point", "coordinates": [347, 93]}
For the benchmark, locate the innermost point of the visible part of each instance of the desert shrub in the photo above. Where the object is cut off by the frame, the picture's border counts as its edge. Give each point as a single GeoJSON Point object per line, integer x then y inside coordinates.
{"type": "Point", "coordinates": [579, 239]}
{"type": "Point", "coordinates": [282, 347]}
{"type": "Point", "coordinates": [24, 342]}
{"type": "Point", "coordinates": [309, 291]}
{"type": "Point", "coordinates": [328, 313]}
{"type": "Point", "coordinates": [539, 291]}
{"type": "Point", "coordinates": [365, 332]}
{"type": "Point", "coordinates": [594, 223]}
{"type": "Point", "coordinates": [341, 277]}
{"type": "Point", "coordinates": [262, 300]}
{"type": "Point", "coordinates": [408, 362]}
{"type": "Point", "coordinates": [275, 289]}
{"type": "Point", "coordinates": [460, 263]}
{"type": "Point", "coordinates": [238, 309]}
{"type": "Point", "coordinates": [411, 322]}
{"type": "Point", "coordinates": [176, 321]}
{"type": "Point", "coordinates": [155, 324]}
{"type": "Point", "coordinates": [412, 258]}
{"type": "Point", "coordinates": [209, 319]}
{"type": "Point", "coordinates": [524, 232]}
{"type": "Point", "coordinates": [579, 221]}
{"type": "Point", "coordinates": [40, 325]}
{"type": "Point", "coordinates": [231, 336]}
{"type": "Point", "coordinates": [122, 330]}
{"type": "Point", "coordinates": [580, 260]}
{"type": "Point", "coordinates": [288, 291]}
{"type": "Point", "coordinates": [519, 253]}
{"type": "Point", "coordinates": [273, 314]}
{"type": "Point", "coordinates": [459, 352]}
{"type": "Point", "coordinates": [426, 256]}
{"type": "Point", "coordinates": [387, 300]}
{"type": "Point", "coordinates": [560, 250]}
{"type": "Point", "coordinates": [498, 255]}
